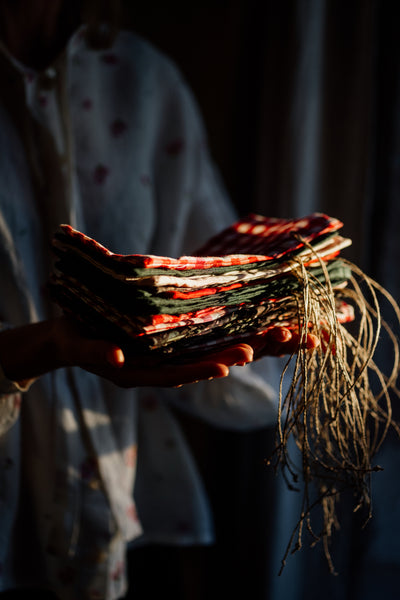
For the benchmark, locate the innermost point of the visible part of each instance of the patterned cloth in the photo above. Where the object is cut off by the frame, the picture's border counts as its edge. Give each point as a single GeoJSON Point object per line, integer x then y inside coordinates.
{"type": "Point", "coordinates": [269, 236]}
{"type": "Point", "coordinates": [241, 294]}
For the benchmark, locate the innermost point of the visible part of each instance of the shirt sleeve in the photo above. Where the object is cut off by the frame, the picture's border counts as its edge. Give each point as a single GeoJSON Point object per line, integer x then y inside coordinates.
{"type": "Point", "coordinates": [10, 402]}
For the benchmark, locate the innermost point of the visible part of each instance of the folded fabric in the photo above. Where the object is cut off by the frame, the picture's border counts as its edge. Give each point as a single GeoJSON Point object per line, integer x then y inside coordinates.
{"type": "Point", "coordinates": [241, 283]}
{"type": "Point", "coordinates": [251, 240]}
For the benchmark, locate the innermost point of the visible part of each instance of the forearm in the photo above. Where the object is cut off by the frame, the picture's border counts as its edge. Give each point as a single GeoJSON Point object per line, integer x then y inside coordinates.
{"type": "Point", "coordinates": [30, 351]}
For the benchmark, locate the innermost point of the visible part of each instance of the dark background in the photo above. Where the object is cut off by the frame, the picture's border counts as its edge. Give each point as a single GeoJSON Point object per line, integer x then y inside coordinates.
{"type": "Point", "coordinates": [207, 41]}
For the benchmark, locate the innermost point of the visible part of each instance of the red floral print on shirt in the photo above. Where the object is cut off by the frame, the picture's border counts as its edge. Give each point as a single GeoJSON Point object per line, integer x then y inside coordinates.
{"type": "Point", "coordinates": [175, 147]}
{"type": "Point", "coordinates": [118, 571]}
{"type": "Point", "coordinates": [150, 402]}
{"type": "Point", "coordinates": [100, 174]}
{"type": "Point", "coordinates": [118, 127]}
{"type": "Point", "coordinates": [87, 103]}
{"type": "Point", "coordinates": [110, 58]}
{"type": "Point", "coordinates": [130, 456]}
{"type": "Point", "coordinates": [145, 180]}
{"type": "Point", "coordinates": [43, 100]}
{"type": "Point", "coordinates": [132, 512]}
{"type": "Point", "coordinates": [17, 401]}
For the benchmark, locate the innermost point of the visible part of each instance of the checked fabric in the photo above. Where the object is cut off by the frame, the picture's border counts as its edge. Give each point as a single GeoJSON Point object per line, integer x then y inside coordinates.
{"type": "Point", "coordinates": [240, 284]}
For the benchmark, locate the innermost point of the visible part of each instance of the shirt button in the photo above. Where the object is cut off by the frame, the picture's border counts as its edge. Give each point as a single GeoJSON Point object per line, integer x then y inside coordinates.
{"type": "Point", "coordinates": [48, 78]}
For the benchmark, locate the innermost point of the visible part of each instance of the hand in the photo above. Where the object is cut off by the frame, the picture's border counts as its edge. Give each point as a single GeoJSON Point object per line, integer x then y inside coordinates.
{"type": "Point", "coordinates": [279, 341]}
{"type": "Point", "coordinates": [108, 360]}
{"type": "Point", "coordinates": [136, 372]}
{"type": "Point", "coordinates": [29, 351]}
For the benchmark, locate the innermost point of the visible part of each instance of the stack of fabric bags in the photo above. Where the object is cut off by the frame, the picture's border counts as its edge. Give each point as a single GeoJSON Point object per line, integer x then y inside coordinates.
{"type": "Point", "coordinates": [240, 284]}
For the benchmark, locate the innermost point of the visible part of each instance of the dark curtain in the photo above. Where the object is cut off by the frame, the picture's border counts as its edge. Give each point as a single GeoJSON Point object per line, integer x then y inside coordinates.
{"type": "Point", "coordinates": [301, 100]}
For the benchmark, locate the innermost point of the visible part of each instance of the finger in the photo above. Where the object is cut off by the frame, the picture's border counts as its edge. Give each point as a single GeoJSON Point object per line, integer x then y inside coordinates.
{"type": "Point", "coordinates": [312, 341]}
{"type": "Point", "coordinates": [163, 375]}
{"type": "Point", "coordinates": [115, 357]}
{"type": "Point", "coordinates": [97, 353]}
{"type": "Point", "coordinates": [279, 334]}
{"type": "Point", "coordinates": [280, 341]}
{"type": "Point", "coordinates": [307, 342]}
{"type": "Point", "coordinates": [271, 341]}
{"type": "Point", "coordinates": [199, 372]}
{"type": "Point", "coordinates": [235, 355]}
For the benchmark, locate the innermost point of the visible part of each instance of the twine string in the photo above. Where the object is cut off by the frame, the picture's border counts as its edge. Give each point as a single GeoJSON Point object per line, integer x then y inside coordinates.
{"type": "Point", "coordinates": [337, 419]}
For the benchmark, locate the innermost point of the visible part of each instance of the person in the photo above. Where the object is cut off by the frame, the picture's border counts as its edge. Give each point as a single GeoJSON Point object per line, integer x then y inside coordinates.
{"type": "Point", "coordinates": [99, 130]}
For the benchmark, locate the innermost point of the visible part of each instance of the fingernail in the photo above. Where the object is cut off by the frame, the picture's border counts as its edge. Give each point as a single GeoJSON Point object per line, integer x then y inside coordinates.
{"type": "Point", "coordinates": [283, 335]}
{"type": "Point", "coordinates": [220, 375]}
{"type": "Point", "coordinates": [115, 357]}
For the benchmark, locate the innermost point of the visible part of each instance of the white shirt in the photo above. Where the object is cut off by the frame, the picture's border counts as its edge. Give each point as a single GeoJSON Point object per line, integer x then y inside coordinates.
{"type": "Point", "coordinates": [112, 143]}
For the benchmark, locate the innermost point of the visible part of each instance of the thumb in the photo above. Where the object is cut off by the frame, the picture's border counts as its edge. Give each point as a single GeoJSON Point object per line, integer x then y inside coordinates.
{"type": "Point", "coordinates": [100, 353]}
{"type": "Point", "coordinates": [115, 356]}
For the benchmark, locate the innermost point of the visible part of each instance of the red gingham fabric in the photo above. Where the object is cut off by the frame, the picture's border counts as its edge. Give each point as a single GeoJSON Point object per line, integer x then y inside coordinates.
{"type": "Point", "coordinates": [258, 239]}
{"type": "Point", "coordinates": [270, 237]}
{"type": "Point", "coordinates": [162, 262]}
{"type": "Point", "coordinates": [250, 240]}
